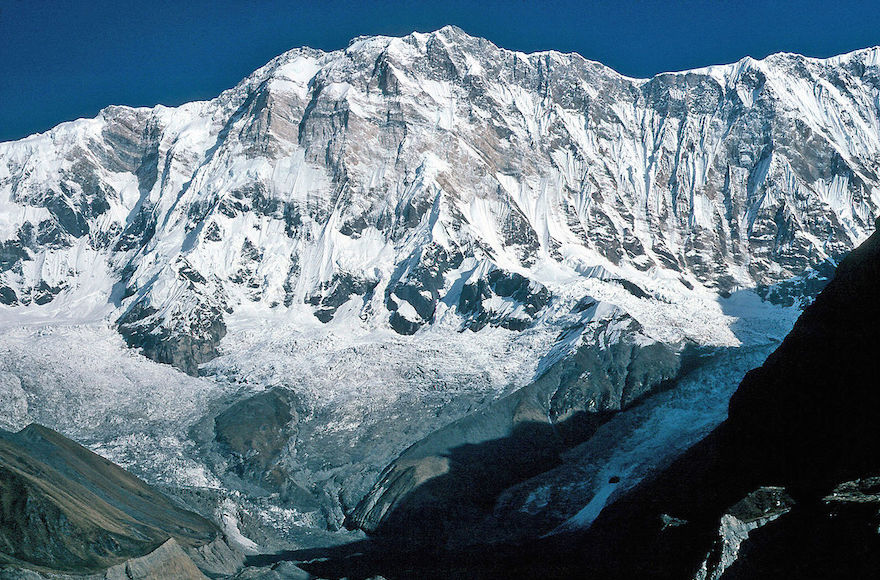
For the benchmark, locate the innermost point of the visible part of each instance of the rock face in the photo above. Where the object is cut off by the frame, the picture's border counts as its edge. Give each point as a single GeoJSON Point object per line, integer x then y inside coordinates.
{"type": "Point", "coordinates": [760, 507]}
{"type": "Point", "coordinates": [257, 433]}
{"type": "Point", "coordinates": [257, 429]}
{"type": "Point", "coordinates": [65, 509]}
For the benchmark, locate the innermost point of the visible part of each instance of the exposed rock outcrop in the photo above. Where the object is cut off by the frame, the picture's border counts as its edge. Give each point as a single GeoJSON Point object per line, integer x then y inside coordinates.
{"type": "Point", "coordinates": [166, 561]}
{"type": "Point", "coordinates": [755, 510]}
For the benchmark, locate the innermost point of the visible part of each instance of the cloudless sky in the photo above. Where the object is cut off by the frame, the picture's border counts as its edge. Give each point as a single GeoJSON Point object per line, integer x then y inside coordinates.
{"type": "Point", "coordinates": [63, 59]}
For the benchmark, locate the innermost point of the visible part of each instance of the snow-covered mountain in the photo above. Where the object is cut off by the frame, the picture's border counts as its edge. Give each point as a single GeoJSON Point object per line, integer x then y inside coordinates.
{"type": "Point", "coordinates": [369, 244]}
{"type": "Point", "coordinates": [390, 179]}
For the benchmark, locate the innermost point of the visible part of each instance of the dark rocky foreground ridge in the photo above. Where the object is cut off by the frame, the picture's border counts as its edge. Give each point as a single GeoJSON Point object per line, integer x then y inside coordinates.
{"type": "Point", "coordinates": [66, 510]}
{"type": "Point", "coordinates": [786, 487]}
{"type": "Point", "coordinates": [804, 421]}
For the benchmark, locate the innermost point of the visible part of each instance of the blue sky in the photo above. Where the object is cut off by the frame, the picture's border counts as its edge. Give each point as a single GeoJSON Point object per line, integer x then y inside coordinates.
{"type": "Point", "coordinates": [63, 59]}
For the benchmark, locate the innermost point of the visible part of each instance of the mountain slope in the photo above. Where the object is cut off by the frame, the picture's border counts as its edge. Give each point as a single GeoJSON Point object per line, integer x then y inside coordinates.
{"type": "Point", "coordinates": [66, 509]}
{"type": "Point", "coordinates": [803, 421]}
